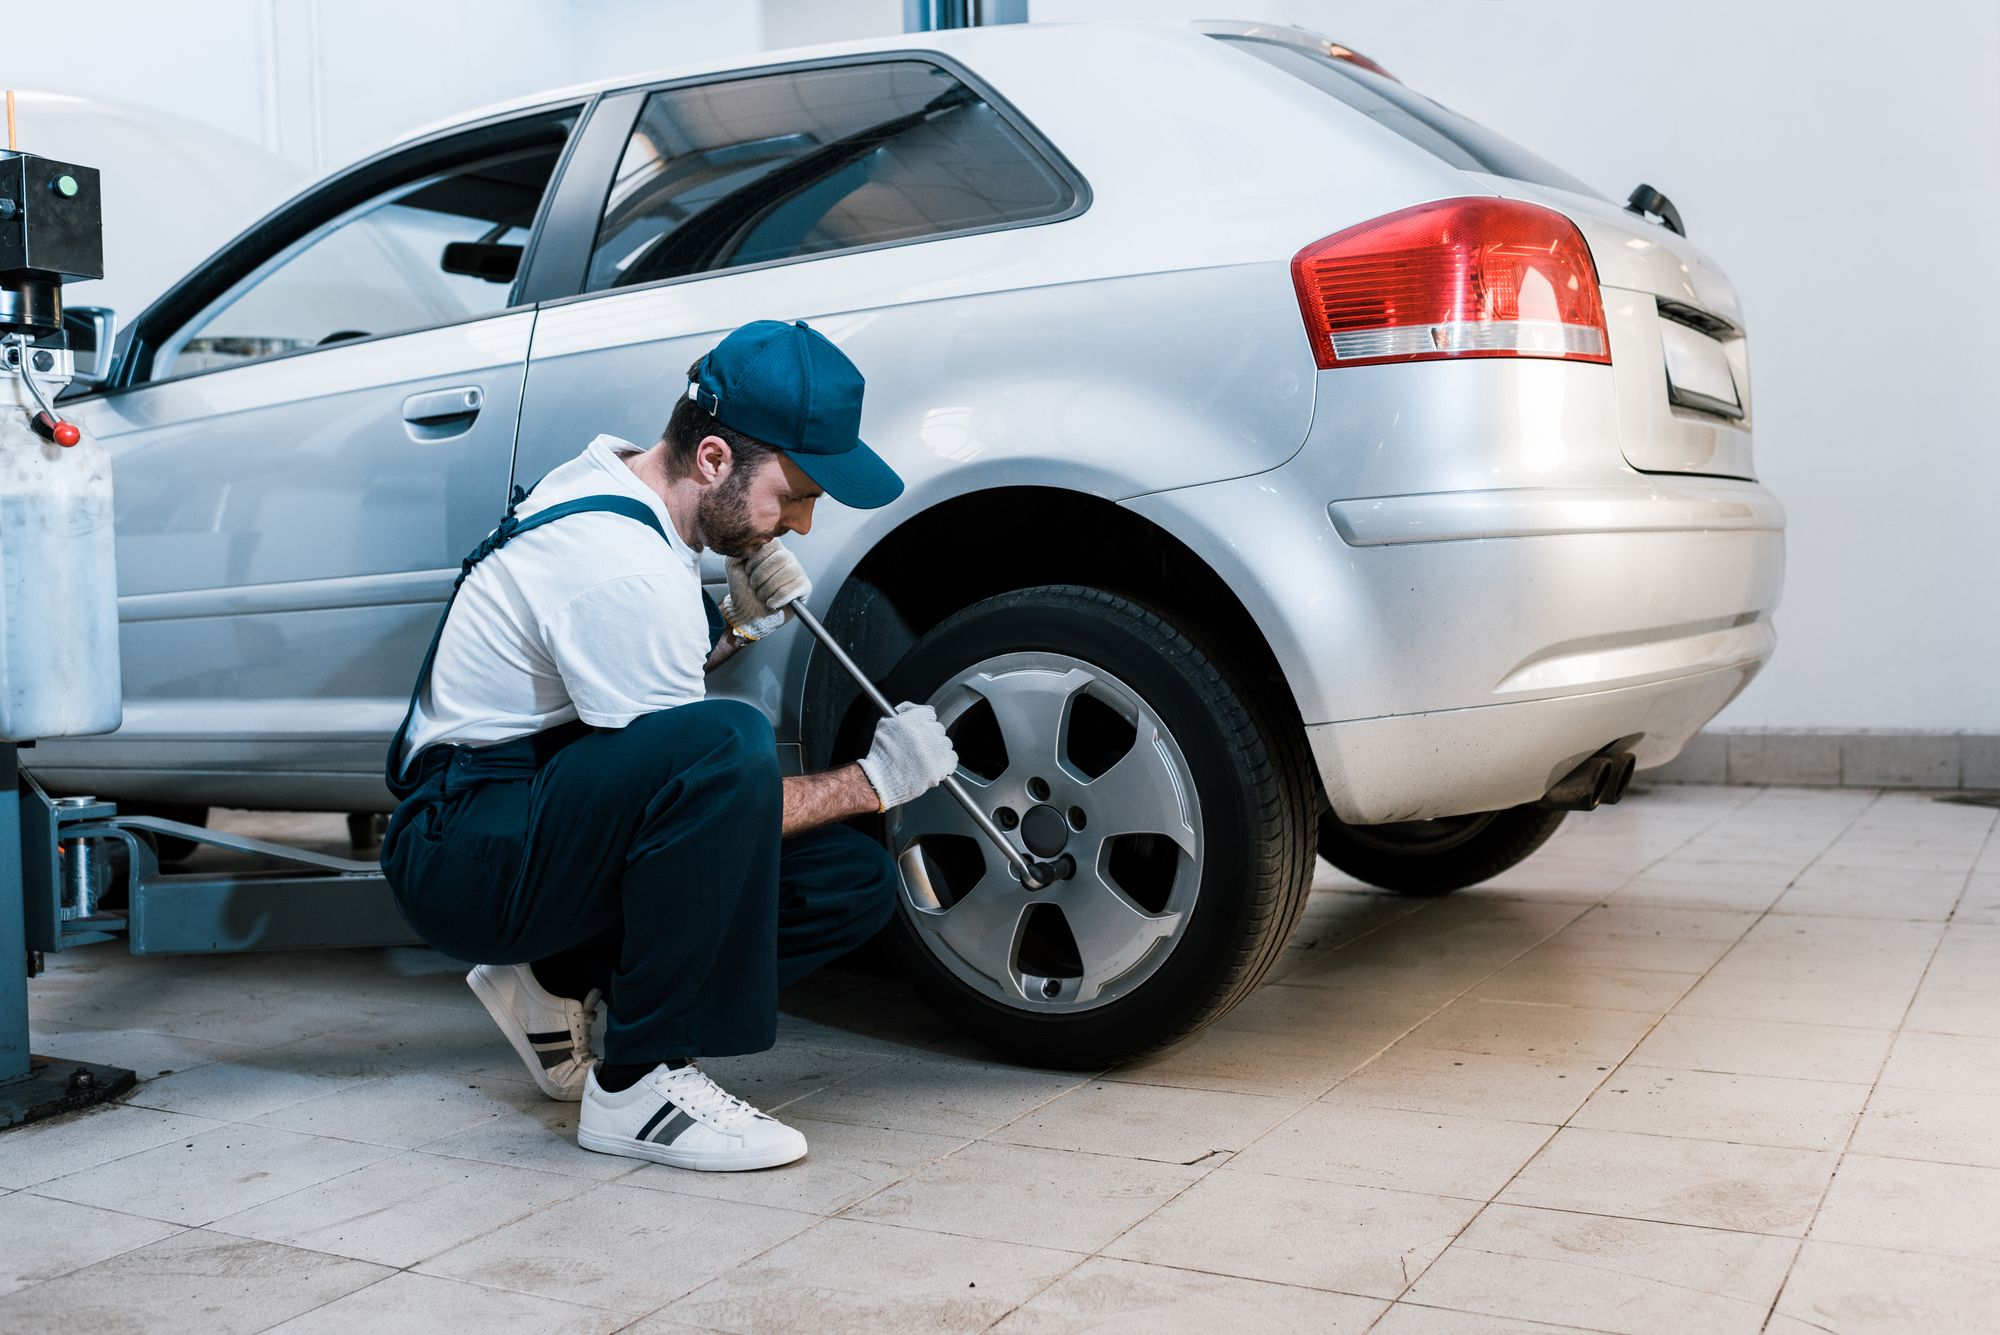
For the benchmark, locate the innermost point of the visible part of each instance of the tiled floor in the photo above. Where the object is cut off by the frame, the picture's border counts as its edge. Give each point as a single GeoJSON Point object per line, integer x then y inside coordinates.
{"type": "Point", "coordinates": [1717, 1059]}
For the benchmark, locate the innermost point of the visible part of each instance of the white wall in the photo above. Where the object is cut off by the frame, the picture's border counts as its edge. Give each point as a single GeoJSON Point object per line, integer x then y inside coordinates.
{"type": "Point", "coordinates": [1841, 159]}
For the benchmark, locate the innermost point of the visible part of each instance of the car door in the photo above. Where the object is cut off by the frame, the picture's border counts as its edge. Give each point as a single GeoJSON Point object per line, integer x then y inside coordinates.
{"type": "Point", "coordinates": [309, 443]}
{"type": "Point", "coordinates": [691, 207]}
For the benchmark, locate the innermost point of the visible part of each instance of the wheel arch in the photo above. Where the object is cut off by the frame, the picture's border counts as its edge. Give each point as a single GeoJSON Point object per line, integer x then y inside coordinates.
{"type": "Point", "coordinates": [982, 543]}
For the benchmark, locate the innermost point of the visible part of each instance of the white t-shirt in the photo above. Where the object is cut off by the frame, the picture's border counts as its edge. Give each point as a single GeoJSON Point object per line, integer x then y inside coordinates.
{"type": "Point", "coordinates": [591, 616]}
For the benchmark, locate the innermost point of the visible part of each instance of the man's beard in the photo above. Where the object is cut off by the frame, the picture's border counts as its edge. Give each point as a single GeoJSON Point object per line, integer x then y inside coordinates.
{"type": "Point", "coordinates": [724, 516]}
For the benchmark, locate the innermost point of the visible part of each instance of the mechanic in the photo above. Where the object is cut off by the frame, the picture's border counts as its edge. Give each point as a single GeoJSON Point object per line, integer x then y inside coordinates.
{"type": "Point", "coordinates": [579, 820]}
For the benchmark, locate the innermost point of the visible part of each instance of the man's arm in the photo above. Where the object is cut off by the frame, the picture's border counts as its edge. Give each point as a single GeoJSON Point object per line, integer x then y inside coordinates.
{"type": "Point", "coordinates": [719, 655]}
{"type": "Point", "coordinates": [812, 800]}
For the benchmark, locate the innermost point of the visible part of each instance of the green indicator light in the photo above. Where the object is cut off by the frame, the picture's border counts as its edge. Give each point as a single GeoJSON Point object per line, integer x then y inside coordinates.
{"type": "Point", "coordinates": [66, 186]}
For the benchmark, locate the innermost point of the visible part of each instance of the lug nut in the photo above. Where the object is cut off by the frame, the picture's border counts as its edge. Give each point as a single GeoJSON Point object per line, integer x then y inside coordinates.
{"type": "Point", "coordinates": [1076, 818]}
{"type": "Point", "coordinates": [1051, 988]}
{"type": "Point", "coordinates": [1006, 818]}
{"type": "Point", "coordinates": [1038, 789]}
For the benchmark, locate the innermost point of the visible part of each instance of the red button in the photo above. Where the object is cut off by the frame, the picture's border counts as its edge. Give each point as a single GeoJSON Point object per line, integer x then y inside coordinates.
{"type": "Point", "coordinates": [66, 434]}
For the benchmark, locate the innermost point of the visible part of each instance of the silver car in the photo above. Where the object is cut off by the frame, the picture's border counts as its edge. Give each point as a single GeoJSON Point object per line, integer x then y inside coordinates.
{"type": "Point", "coordinates": [1293, 465]}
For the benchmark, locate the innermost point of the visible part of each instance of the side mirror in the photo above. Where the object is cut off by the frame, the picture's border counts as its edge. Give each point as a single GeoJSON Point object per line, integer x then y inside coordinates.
{"type": "Point", "coordinates": [91, 331]}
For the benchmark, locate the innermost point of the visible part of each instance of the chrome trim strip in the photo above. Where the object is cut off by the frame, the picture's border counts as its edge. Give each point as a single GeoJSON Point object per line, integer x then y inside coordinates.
{"type": "Point", "coordinates": [303, 595]}
{"type": "Point", "coordinates": [1457, 516]}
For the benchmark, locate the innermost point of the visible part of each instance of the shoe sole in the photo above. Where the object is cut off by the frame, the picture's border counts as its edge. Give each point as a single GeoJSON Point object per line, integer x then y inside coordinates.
{"type": "Point", "coordinates": [737, 1161]}
{"type": "Point", "coordinates": [518, 1040]}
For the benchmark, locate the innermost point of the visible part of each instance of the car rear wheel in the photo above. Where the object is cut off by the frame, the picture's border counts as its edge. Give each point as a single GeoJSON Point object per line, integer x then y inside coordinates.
{"type": "Point", "coordinates": [1099, 734]}
{"type": "Point", "coordinates": [1435, 857]}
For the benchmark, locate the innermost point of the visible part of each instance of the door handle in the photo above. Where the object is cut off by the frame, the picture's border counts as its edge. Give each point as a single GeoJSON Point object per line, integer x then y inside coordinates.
{"type": "Point", "coordinates": [439, 406]}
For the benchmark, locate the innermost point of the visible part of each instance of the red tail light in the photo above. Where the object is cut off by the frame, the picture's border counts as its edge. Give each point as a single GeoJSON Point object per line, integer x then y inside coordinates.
{"type": "Point", "coordinates": [1453, 278]}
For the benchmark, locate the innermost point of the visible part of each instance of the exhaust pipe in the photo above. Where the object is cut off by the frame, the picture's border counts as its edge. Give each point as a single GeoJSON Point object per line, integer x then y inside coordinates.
{"type": "Point", "coordinates": [1599, 781]}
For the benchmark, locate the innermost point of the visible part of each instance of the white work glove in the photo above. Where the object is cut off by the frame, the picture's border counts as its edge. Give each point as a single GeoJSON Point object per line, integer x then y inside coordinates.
{"type": "Point", "coordinates": [762, 588]}
{"type": "Point", "coordinates": [910, 756]}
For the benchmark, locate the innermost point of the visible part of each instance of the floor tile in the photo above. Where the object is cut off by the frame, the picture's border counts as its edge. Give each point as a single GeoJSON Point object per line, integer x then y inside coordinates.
{"type": "Point", "coordinates": [402, 1110]}
{"type": "Point", "coordinates": [1674, 1180]}
{"type": "Point", "coordinates": [618, 1247]}
{"type": "Point", "coordinates": [1107, 1297]}
{"type": "Point", "coordinates": [1668, 923]}
{"type": "Point", "coordinates": [1177, 1126]}
{"type": "Point", "coordinates": [1834, 1287]}
{"type": "Point", "coordinates": [1939, 1125]}
{"type": "Point", "coordinates": [198, 1282]}
{"type": "Point", "coordinates": [1708, 1105]}
{"type": "Point", "coordinates": [1598, 987]}
{"type": "Point", "coordinates": [1233, 1061]}
{"type": "Point", "coordinates": [1822, 933]}
{"type": "Point", "coordinates": [1440, 1155]}
{"type": "Point", "coordinates": [1473, 1084]}
{"type": "Point", "coordinates": [936, 1097]}
{"type": "Point", "coordinates": [1607, 1274]}
{"type": "Point", "coordinates": [244, 1087]}
{"type": "Point", "coordinates": [1680, 890]}
{"type": "Point", "coordinates": [845, 1276]}
{"type": "Point", "coordinates": [527, 1129]}
{"type": "Point", "coordinates": [1037, 1197]}
{"type": "Point", "coordinates": [1965, 1063]}
{"type": "Point", "coordinates": [1791, 1000]}
{"type": "Point", "coordinates": [146, 1054]}
{"type": "Point", "coordinates": [41, 1238]}
{"type": "Point", "coordinates": [1908, 1205]}
{"type": "Point", "coordinates": [1945, 1010]}
{"type": "Point", "coordinates": [845, 1164]}
{"type": "Point", "coordinates": [1407, 1318]}
{"type": "Point", "coordinates": [1610, 951]}
{"type": "Point", "coordinates": [1517, 1029]}
{"type": "Point", "coordinates": [41, 1151]}
{"type": "Point", "coordinates": [1322, 1235]}
{"type": "Point", "coordinates": [410, 1302]}
{"type": "Point", "coordinates": [1822, 964]}
{"type": "Point", "coordinates": [788, 1072]}
{"type": "Point", "coordinates": [401, 1210]}
{"type": "Point", "coordinates": [213, 1174]}
{"type": "Point", "coordinates": [1764, 1047]}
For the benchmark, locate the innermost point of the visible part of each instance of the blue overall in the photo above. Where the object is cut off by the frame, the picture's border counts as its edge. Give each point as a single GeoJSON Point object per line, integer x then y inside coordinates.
{"type": "Point", "coordinates": [650, 855]}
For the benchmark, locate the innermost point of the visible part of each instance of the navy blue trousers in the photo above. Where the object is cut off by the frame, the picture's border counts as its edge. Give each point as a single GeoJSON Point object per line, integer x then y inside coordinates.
{"type": "Point", "coordinates": [654, 847]}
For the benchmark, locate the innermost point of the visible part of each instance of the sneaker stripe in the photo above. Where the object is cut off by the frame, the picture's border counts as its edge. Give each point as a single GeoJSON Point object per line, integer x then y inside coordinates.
{"type": "Point", "coordinates": [669, 1133]}
{"type": "Point", "coordinates": [659, 1115]}
{"type": "Point", "coordinates": [550, 1036]}
{"type": "Point", "coordinates": [555, 1058]}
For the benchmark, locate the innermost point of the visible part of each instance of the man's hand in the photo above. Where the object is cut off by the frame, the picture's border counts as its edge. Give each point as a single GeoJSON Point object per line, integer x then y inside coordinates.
{"type": "Point", "coordinates": [911, 754]}
{"type": "Point", "coordinates": [762, 587]}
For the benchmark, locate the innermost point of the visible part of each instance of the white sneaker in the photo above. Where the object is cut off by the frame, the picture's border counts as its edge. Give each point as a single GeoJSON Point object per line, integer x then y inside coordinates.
{"type": "Point", "coordinates": [551, 1033]}
{"type": "Point", "coordinates": [683, 1119]}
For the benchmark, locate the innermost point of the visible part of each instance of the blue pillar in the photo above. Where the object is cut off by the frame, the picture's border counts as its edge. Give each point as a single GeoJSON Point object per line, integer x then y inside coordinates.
{"type": "Point", "coordinates": [930, 15]}
{"type": "Point", "coordinates": [13, 925]}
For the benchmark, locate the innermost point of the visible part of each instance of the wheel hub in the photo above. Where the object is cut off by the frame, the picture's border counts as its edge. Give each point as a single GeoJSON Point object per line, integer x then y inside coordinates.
{"type": "Point", "coordinates": [1044, 831]}
{"type": "Point", "coordinates": [1110, 808]}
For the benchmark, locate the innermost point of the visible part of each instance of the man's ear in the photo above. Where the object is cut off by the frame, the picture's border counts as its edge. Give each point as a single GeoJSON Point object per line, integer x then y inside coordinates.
{"type": "Point", "coordinates": [712, 459]}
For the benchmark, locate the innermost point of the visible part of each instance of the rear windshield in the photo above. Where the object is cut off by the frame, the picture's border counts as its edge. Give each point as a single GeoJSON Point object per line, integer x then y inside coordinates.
{"type": "Point", "coordinates": [1441, 133]}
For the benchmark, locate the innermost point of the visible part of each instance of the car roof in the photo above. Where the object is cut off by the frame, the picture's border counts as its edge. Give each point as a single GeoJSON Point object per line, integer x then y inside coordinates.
{"type": "Point", "coordinates": [947, 42]}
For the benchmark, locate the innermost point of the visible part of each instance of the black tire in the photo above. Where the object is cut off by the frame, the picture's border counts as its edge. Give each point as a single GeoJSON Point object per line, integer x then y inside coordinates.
{"type": "Point", "coordinates": [1255, 800]}
{"type": "Point", "coordinates": [1436, 857]}
{"type": "Point", "coordinates": [166, 846]}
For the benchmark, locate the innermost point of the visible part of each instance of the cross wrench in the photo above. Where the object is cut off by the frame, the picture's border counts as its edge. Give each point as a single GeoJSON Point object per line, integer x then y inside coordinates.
{"type": "Point", "coordinates": [1034, 875]}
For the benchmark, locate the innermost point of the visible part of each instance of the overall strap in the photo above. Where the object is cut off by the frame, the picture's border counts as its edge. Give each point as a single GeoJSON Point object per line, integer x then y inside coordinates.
{"type": "Point", "coordinates": [506, 530]}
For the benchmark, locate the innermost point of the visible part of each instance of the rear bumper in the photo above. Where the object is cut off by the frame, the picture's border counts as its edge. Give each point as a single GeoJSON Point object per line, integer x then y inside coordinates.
{"type": "Point", "coordinates": [1413, 766]}
{"type": "Point", "coordinates": [1456, 651]}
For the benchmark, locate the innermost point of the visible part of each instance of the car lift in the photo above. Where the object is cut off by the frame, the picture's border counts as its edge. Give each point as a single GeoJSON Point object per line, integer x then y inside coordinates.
{"type": "Point", "coordinates": [56, 858]}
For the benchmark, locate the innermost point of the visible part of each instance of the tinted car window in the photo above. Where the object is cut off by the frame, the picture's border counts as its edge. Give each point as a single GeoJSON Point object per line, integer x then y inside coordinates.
{"type": "Point", "coordinates": [804, 163]}
{"type": "Point", "coordinates": [1445, 134]}
{"type": "Point", "coordinates": [381, 271]}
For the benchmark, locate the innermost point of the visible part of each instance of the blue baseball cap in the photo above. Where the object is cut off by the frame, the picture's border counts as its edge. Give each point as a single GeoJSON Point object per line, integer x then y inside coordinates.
{"type": "Point", "coordinates": [787, 386]}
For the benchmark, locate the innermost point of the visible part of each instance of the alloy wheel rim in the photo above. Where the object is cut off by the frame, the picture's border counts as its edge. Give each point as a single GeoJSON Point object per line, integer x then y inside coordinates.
{"type": "Point", "coordinates": [1130, 823]}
